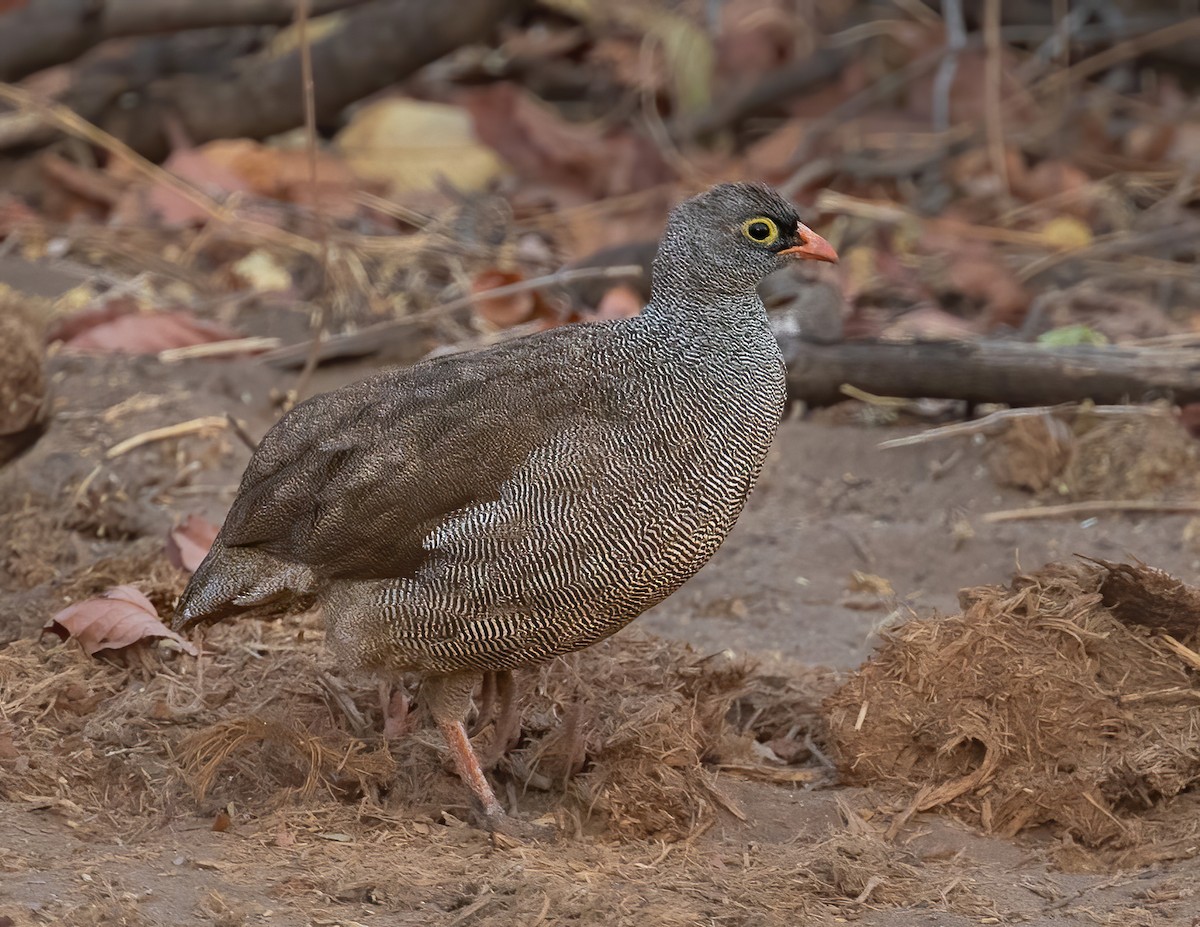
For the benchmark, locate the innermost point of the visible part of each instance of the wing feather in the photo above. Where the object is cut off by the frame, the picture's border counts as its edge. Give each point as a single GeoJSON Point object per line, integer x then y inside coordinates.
{"type": "Point", "coordinates": [350, 483]}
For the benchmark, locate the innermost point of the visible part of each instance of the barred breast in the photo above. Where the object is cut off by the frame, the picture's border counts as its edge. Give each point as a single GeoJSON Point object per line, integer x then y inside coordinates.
{"type": "Point", "coordinates": [598, 523]}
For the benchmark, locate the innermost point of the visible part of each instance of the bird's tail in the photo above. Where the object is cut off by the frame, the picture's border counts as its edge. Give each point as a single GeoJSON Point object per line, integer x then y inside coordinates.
{"type": "Point", "coordinates": [233, 580]}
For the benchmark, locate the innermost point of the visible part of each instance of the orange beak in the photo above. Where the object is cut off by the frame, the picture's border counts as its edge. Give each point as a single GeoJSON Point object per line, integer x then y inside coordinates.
{"type": "Point", "coordinates": [812, 246]}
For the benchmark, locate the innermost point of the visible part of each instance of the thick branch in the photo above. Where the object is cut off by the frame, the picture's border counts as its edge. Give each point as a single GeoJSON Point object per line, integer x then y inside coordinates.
{"type": "Point", "coordinates": [378, 44]}
{"type": "Point", "coordinates": [49, 32]}
{"type": "Point", "coordinates": [1014, 373]}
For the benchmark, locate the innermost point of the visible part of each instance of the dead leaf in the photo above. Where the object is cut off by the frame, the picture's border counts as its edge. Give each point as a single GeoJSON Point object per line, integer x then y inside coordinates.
{"type": "Point", "coordinates": [121, 617]}
{"type": "Point", "coordinates": [502, 311]}
{"type": "Point", "coordinates": [14, 214]}
{"type": "Point", "coordinates": [974, 271]}
{"type": "Point", "coordinates": [262, 272]}
{"type": "Point", "coordinates": [541, 146]}
{"type": "Point", "coordinates": [1067, 185]}
{"type": "Point", "coordinates": [188, 543]}
{"type": "Point", "coordinates": [409, 144]}
{"type": "Point", "coordinates": [870, 584]}
{"type": "Point", "coordinates": [118, 327]}
{"type": "Point", "coordinates": [1066, 233]}
{"type": "Point", "coordinates": [284, 174]}
{"type": "Point", "coordinates": [145, 202]}
{"type": "Point", "coordinates": [929, 323]}
{"type": "Point", "coordinates": [620, 302]}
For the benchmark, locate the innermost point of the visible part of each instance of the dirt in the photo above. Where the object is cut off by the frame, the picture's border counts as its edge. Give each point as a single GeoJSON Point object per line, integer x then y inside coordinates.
{"type": "Point", "coordinates": [841, 540]}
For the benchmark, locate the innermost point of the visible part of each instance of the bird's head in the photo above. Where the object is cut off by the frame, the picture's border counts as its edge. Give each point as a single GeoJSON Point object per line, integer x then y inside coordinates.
{"type": "Point", "coordinates": [726, 240]}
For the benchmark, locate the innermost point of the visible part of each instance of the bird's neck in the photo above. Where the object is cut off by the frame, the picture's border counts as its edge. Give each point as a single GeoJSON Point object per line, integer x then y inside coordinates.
{"type": "Point", "coordinates": [687, 312]}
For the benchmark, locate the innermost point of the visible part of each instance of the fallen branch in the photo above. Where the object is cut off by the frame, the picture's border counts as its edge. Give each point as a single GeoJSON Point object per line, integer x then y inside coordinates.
{"type": "Point", "coordinates": [1094, 507]}
{"type": "Point", "coordinates": [378, 43]}
{"type": "Point", "coordinates": [1013, 373]}
{"type": "Point", "coordinates": [48, 32]}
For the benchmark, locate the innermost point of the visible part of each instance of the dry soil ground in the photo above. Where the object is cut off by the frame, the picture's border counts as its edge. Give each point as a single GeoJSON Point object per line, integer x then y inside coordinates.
{"type": "Point", "coordinates": [115, 834]}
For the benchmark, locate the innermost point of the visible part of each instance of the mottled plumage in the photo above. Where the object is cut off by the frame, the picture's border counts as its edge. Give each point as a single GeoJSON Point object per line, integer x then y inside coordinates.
{"type": "Point", "coordinates": [480, 512]}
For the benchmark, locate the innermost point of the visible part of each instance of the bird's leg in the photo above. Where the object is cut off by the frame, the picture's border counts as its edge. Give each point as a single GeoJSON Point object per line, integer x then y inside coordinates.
{"type": "Point", "coordinates": [506, 729]}
{"type": "Point", "coordinates": [393, 699]}
{"type": "Point", "coordinates": [487, 703]}
{"type": "Point", "coordinates": [448, 698]}
{"type": "Point", "coordinates": [508, 715]}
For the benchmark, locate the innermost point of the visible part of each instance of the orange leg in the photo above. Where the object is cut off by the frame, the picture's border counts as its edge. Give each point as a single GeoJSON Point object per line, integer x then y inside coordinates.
{"type": "Point", "coordinates": [467, 764]}
{"type": "Point", "coordinates": [448, 698]}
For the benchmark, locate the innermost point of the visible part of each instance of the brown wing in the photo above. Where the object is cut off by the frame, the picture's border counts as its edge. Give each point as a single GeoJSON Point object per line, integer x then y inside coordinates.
{"type": "Point", "coordinates": [350, 483]}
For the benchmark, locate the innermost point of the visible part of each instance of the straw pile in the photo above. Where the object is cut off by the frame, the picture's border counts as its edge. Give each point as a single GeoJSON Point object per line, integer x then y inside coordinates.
{"type": "Point", "coordinates": [1068, 698]}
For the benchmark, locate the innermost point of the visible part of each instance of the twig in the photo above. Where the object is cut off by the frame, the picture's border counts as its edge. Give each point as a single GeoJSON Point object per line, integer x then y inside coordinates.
{"type": "Point", "coordinates": [943, 80]}
{"type": "Point", "coordinates": [310, 146]}
{"type": "Point", "coordinates": [43, 33]}
{"type": "Point", "coordinates": [236, 427]}
{"type": "Point", "coordinates": [207, 423]}
{"type": "Point", "coordinates": [993, 73]}
{"type": "Point", "coordinates": [69, 122]}
{"type": "Point", "coordinates": [984, 424]}
{"type": "Point", "coordinates": [1124, 51]}
{"type": "Point", "coordinates": [831, 201]}
{"type": "Point", "coordinates": [1094, 507]}
{"type": "Point", "coordinates": [370, 337]}
{"type": "Point", "coordinates": [218, 348]}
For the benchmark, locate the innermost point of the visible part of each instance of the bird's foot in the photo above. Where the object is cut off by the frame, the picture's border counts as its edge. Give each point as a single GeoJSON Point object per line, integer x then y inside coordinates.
{"type": "Point", "coordinates": [504, 827]}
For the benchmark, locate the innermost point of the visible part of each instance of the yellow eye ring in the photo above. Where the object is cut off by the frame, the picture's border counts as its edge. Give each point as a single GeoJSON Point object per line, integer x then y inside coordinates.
{"type": "Point", "coordinates": [761, 230]}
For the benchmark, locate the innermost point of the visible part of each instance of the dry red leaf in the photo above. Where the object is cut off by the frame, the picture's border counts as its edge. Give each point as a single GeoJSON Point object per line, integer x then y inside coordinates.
{"type": "Point", "coordinates": [121, 617]}
{"type": "Point", "coordinates": [502, 311]}
{"type": "Point", "coordinates": [620, 302]}
{"type": "Point", "coordinates": [117, 327]}
{"type": "Point", "coordinates": [188, 542]}
{"type": "Point", "coordinates": [283, 174]}
{"type": "Point", "coordinates": [160, 202]}
{"type": "Point", "coordinates": [541, 146]}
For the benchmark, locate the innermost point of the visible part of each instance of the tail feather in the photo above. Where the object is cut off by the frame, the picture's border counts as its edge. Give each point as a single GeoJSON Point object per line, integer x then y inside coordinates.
{"type": "Point", "coordinates": [235, 580]}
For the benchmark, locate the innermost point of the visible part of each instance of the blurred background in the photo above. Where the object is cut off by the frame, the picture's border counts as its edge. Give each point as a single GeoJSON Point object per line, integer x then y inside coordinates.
{"type": "Point", "coordinates": [210, 209]}
{"type": "Point", "coordinates": [983, 166]}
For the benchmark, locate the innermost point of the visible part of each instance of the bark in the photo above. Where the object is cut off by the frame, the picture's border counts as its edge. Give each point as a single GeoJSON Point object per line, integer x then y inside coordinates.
{"type": "Point", "coordinates": [48, 32]}
{"type": "Point", "coordinates": [379, 44]}
{"type": "Point", "coordinates": [1014, 373]}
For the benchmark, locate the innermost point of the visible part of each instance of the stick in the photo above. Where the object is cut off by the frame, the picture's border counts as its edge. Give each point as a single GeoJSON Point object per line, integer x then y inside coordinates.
{"type": "Point", "coordinates": [208, 423]}
{"type": "Point", "coordinates": [370, 339]}
{"type": "Point", "coordinates": [988, 421]}
{"type": "Point", "coordinates": [1094, 507]}
{"type": "Point", "coordinates": [232, 346]}
{"type": "Point", "coordinates": [1009, 372]}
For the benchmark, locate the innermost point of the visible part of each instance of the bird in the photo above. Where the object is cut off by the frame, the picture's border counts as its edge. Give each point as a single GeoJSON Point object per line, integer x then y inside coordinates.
{"type": "Point", "coordinates": [486, 511]}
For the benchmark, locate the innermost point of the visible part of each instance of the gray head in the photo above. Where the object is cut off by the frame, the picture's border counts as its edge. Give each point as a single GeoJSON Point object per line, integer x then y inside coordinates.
{"type": "Point", "coordinates": [723, 242]}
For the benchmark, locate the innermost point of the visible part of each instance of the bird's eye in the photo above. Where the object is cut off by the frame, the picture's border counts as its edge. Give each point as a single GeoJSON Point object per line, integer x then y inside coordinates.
{"type": "Point", "coordinates": [761, 230]}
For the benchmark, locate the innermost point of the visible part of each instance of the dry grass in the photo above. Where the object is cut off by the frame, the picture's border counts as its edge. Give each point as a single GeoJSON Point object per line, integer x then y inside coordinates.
{"type": "Point", "coordinates": [1077, 456]}
{"type": "Point", "coordinates": [623, 746]}
{"type": "Point", "coordinates": [1053, 701]}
